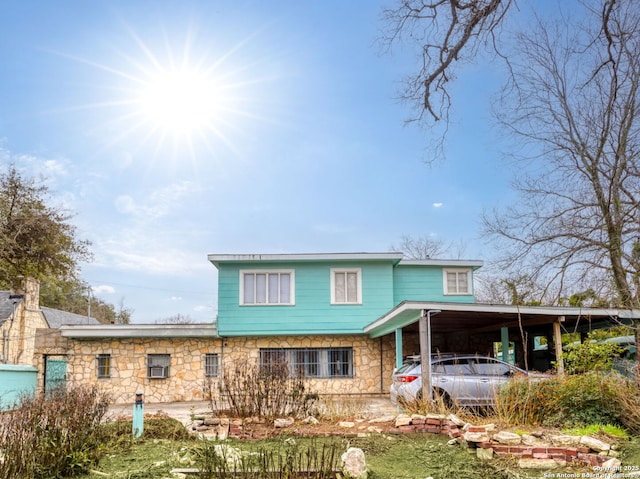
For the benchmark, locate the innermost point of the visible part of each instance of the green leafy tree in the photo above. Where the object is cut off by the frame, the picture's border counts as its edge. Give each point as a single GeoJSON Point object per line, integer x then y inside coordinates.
{"type": "Point", "coordinates": [36, 240]}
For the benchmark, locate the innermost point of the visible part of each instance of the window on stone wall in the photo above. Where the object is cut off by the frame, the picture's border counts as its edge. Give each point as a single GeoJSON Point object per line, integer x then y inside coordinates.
{"type": "Point", "coordinates": [104, 365]}
{"type": "Point", "coordinates": [311, 362]}
{"type": "Point", "coordinates": [158, 366]}
{"type": "Point", "coordinates": [211, 365]}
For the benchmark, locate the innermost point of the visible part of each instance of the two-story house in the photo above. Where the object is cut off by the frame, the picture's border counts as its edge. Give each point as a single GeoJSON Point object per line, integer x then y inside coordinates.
{"type": "Point", "coordinates": [343, 320]}
{"type": "Point", "coordinates": [311, 310]}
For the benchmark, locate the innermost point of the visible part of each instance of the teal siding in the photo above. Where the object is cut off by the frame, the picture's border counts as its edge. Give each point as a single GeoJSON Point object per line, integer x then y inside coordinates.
{"type": "Point", "coordinates": [16, 381]}
{"type": "Point", "coordinates": [423, 283]}
{"type": "Point", "coordinates": [313, 312]}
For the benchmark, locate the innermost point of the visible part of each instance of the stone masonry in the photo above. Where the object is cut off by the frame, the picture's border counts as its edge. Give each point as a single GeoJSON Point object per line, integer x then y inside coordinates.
{"type": "Point", "coordinates": [373, 360]}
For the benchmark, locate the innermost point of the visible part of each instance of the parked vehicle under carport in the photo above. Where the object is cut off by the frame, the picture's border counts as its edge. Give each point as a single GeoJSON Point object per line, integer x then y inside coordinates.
{"type": "Point", "coordinates": [461, 380]}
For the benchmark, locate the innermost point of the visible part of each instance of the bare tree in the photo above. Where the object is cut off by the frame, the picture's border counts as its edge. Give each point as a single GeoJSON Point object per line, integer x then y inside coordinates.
{"type": "Point", "coordinates": [573, 102]}
{"type": "Point", "coordinates": [420, 247]}
{"type": "Point", "coordinates": [446, 32]}
{"type": "Point", "coordinates": [176, 319]}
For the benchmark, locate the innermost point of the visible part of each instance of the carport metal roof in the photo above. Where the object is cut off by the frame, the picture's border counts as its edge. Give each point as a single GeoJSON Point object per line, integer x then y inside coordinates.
{"type": "Point", "coordinates": [479, 317]}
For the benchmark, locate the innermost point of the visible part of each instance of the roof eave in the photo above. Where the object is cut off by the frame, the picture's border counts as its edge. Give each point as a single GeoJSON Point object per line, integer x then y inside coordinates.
{"type": "Point", "coordinates": [382, 325]}
{"type": "Point", "coordinates": [216, 259]}
{"type": "Point", "coordinates": [140, 331]}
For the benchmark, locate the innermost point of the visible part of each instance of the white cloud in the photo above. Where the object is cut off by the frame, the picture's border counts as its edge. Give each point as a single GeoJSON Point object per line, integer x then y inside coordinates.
{"type": "Point", "coordinates": [175, 298]}
{"type": "Point", "coordinates": [438, 205]}
{"type": "Point", "coordinates": [158, 203]}
{"type": "Point", "coordinates": [103, 289]}
{"type": "Point", "coordinates": [202, 308]}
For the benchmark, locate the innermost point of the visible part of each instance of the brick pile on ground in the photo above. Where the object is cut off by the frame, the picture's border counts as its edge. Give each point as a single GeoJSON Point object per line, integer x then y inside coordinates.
{"type": "Point", "coordinates": [538, 450]}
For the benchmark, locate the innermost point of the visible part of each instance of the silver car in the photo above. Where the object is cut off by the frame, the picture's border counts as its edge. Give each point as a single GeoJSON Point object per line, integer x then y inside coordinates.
{"type": "Point", "coordinates": [463, 380]}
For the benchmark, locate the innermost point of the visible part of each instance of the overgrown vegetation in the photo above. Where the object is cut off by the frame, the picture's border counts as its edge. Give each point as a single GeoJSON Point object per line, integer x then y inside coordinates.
{"type": "Point", "coordinates": [286, 459]}
{"type": "Point", "coordinates": [261, 390]}
{"type": "Point", "coordinates": [589, 356]}
{"type": "Point", "coordinates": [571, 401]}
{"type": "Point", "coordinates": [53, 436]}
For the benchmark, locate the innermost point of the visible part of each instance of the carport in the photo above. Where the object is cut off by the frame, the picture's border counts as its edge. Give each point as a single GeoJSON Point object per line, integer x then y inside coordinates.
{"type": "Point", "coordinates": [529, 336]}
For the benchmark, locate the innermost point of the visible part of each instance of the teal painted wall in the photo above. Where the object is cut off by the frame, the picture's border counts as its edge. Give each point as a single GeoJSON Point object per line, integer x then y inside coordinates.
{"type": "Point", "coordinates": [423, 283]}
{"type": "Point", "coordinates": [15, 382]}
{"type": "Point", "coordinates": [313, 312]}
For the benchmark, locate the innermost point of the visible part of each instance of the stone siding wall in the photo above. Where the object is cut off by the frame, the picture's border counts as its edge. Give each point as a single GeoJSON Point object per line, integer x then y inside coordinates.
{"type": "Point", "coordinates": [373, 360]}
{"type": "Point", "coordinates": [128, 374]}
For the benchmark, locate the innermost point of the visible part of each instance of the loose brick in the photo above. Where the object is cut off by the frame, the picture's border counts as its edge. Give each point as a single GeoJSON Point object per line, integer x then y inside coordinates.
{"type": "Point", "coordinates": [477, 429]}
{"type": "Point", "coordinates": [407, 428]}
{"type": "Point", "coordinates": [557, 450]}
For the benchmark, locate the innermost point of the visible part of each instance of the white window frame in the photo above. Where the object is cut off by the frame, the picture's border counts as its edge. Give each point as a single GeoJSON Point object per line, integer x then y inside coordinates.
{"type": "Point", "coordinates": [292, 286]}
{"type": "Point", "coordinates": [358, 272]}
{"type": "Point", "coordinates": [457, 271]}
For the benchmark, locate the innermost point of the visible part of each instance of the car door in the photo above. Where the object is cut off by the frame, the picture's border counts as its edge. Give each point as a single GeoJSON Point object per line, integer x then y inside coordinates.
{"type": "Point", "coordinates": [454, 376]}
{"type": "Point", "coordinates": [490, 375]}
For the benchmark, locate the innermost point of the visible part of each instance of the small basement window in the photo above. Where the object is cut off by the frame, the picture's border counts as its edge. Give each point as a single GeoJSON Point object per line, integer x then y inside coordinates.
{"type": "Point", "coordinates": [103, 366]}
{"type": "Point", "coordinates": [211, 365]}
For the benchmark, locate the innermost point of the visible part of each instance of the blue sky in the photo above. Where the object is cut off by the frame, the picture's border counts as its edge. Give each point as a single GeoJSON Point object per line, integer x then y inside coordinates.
{"type": "Point", "coordinates": [288, 138]}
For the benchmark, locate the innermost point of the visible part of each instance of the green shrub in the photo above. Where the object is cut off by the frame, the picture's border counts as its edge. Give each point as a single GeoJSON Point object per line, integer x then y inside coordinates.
{"type": "Point", "coordinates": [52, 436]}
{"type": "Point", "coordinates": [590, 356]}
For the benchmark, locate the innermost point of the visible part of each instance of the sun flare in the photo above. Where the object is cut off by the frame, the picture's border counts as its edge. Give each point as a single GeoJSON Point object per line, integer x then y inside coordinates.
{"type": "Point", "coordinates": [180, 102]}
{"type": "Point", "coordinates": [182, 96]}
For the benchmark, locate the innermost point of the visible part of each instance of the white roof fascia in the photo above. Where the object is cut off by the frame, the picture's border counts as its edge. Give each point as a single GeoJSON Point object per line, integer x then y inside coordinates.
{"type": "Point", "coordinates": [140, 331]}
{"type": "Point", "coordinates": [220, 258]}
{"type": "Point", "coordinates": [442, 262]}
{"type": "Point", "coordinates": [501, 308]}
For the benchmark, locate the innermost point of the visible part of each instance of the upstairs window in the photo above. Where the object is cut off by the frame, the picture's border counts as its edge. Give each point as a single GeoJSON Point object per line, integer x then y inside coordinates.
{"type": "Point", "coordinates": [346, 286]}
{"type": "Point", "coordinates": [267, 287]}
{"type": "Point", "coordinates": [158, 366]}
{"type": "Point", "coordinates": [104, 366]}
{"type": "Point", "coordinates": [457, 281]}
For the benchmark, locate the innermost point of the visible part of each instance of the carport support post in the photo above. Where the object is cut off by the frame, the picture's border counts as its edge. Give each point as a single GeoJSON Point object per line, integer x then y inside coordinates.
{"type": "Point", "coordinates": [504, 337]}
{"type": "Point", "coordinates": [398, 347]}
{"type": "Point", "coordinates": [557, 339]}
{"type": "Point", "coordinates": [425, 352]}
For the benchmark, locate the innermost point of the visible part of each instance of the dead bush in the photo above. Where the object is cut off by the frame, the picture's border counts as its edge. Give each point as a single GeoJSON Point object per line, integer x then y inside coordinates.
{"type": "Point", "coordinates": [246, 390]}
{"type": "Point", "coordinates": [52, 436]}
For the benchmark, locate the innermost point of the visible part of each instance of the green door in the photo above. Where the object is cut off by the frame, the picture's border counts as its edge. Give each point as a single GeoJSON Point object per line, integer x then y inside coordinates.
{"type": "Point", "coordinates": [55, 374]}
